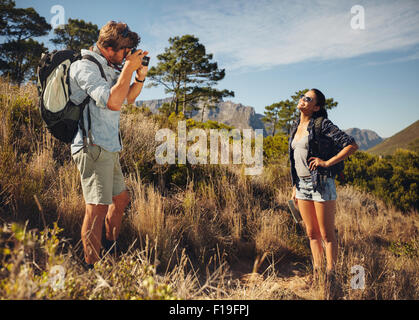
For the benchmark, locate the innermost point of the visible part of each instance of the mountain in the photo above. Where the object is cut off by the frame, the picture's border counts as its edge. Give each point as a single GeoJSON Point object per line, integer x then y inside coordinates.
{"type": "Point", "coordinates": [365, 139]}
{"type": "Point", "coordinates": [227, 112]}
{"type": "Point", "coordinates": [408, 138]}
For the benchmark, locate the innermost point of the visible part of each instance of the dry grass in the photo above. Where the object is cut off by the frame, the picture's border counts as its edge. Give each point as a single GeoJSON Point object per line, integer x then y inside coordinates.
{"type": "Point", "coordinates": [201, 232]}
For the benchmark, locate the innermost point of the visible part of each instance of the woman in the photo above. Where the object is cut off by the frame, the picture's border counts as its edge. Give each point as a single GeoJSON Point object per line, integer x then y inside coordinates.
{"type": "Point", "coordinates": [314, 189]}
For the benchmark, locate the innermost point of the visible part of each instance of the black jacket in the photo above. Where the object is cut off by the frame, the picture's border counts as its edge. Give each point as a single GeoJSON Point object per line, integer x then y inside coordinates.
{"type": "Point", "coordinates": [331, 138]}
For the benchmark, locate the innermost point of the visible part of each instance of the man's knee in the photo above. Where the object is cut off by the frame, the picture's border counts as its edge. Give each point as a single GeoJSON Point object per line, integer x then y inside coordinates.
{"type": "Point", "coordinates": [96, 210]}
{"type": "Point", "coordinates": [122, 199]}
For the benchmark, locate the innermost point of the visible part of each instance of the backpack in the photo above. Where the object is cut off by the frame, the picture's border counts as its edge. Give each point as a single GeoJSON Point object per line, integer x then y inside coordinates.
{"type": "Point", "coordinates": [337, 169]}
{"type": "Point", "coordinates": [61, 116]}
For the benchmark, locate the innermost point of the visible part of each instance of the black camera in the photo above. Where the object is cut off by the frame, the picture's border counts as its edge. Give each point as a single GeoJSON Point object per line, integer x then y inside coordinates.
{"type": "Point", "coordinates": [146, 59]}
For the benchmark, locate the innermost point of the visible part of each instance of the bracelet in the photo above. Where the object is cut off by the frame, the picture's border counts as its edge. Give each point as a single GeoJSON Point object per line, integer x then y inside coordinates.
{"type": "Point", "coordinates": [138, 80]}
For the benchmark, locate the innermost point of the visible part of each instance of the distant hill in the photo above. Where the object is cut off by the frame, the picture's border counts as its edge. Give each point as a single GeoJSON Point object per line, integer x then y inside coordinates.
{"type": "Point", "coordinates": [227, 112]}
{"type": "Point", "coordinates": [408, 138]}
{"type": "Point", "coordinates": [365, 139]}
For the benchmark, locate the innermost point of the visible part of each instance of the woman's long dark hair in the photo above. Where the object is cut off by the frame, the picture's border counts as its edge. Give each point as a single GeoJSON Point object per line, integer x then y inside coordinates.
{"type": "Point", "coordinates": [321, 102]}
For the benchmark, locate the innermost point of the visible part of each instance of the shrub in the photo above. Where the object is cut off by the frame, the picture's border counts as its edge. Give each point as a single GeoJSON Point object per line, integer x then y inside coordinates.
{"type": "Point", "coordinates": [275, 147]}
{"type": "Point", "coordinates": [395, 179]}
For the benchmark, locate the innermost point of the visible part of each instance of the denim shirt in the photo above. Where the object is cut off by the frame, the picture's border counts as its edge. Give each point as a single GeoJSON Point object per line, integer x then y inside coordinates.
{"type": "Point", "coordinates": [85, 79]}
{"type": "Point", "coordinates": [331, 136]}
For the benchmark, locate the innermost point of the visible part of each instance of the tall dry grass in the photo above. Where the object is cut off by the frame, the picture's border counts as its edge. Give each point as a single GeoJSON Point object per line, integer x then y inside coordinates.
{"type": "Point", "coordinates": [207, 232]}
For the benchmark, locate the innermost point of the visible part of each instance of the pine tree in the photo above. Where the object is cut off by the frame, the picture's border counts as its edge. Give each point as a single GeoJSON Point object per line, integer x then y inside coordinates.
{"type": "Point", "coordinates": [20, 54]}
{"type": "Point", "coordinates": [279, 116]}
{"type": "Point", "coordinates": [186, 72]}
{"type": "Point", "coordinates": [76, 35]}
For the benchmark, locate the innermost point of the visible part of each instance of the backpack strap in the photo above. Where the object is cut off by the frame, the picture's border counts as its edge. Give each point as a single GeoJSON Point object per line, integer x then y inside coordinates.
{"type": "Point", "coordinates": [81, 121]}
{"type": "Point", "coordinates": [93, 59]}
{"type": "Point", "coordinates": [86, 103]}
{"type": "Point", "coordinates": [318, 126]}
{"type": "Point", "coordinates": [317, 133]}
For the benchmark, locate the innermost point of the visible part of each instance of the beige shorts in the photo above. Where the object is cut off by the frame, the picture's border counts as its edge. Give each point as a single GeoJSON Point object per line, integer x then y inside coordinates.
{"type": "Point", "coordinates": [101, 174]}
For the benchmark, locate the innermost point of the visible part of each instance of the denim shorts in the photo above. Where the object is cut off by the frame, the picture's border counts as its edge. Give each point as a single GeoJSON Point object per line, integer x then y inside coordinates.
{"type": "Point", "coordinates": [326, 192]}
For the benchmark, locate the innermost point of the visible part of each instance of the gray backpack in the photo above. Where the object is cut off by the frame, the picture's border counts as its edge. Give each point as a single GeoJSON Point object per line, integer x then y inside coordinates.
{"type": "Point", "coordinates": [61, 116]}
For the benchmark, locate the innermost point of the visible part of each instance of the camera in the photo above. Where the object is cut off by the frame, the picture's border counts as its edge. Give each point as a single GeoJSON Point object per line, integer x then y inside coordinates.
{"type": "Point", "coordinates": [146, 59]}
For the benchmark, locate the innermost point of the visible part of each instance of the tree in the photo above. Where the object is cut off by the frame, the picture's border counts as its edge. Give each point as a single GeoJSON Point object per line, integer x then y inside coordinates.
{"type": "Point", "coordinates": [209, 102]}
{"type": "Point", "coordinates": [187, 73]}
{"type": "Point", "coordinates": [279, 116]}
{"type": "Point", "coordinates": [76, 35]}
{"type": "Point", "coordinates": [19, 59]}
{"type": "Point", "coordinates": [20, 54]}
{"type": "Point", "coordinates": [6, 7]}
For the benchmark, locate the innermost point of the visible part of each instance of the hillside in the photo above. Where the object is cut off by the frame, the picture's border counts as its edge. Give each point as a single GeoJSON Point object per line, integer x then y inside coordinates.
{"type": "Point", "coordinates": [408, 138]}
{"type": "Point", "coordinates": [365, 139]}
{"type": "Point", "coordinates": [190, 232]}
{"type": "Point", "coordinates": [227, 112]}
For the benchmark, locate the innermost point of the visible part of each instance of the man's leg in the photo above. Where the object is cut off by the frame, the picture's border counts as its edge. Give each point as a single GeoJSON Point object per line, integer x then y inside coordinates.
{"type": "Point", "coordinates": [96, 171]}
{"type": "Point", "coordinates": [114, 215]}
{"type": "Point", "coordinates": [91, 231]}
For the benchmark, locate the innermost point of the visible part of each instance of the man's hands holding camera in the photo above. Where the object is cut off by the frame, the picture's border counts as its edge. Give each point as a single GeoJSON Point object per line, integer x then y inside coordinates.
{"type": "Point", "coordinates": [138, 61]}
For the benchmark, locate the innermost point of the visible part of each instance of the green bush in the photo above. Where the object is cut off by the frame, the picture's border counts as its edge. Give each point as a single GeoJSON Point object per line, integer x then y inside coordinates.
{"type": "Point", "coordinates": [395, 179]}
{"type": "Point", "coordinates": [275, 147]}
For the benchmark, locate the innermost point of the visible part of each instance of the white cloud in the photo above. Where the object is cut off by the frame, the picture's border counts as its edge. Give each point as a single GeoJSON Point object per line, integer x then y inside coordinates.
{"type": "Point", "coordinates": [267, 33]}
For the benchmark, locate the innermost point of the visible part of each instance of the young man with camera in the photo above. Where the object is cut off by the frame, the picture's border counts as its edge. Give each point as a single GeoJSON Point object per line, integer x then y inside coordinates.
{"type": "Point", "coordinates": [107, 82]}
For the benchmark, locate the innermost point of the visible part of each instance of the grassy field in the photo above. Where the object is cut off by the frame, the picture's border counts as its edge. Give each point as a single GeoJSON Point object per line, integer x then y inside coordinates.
{"type": "Point", "coordinates": [190, 232]}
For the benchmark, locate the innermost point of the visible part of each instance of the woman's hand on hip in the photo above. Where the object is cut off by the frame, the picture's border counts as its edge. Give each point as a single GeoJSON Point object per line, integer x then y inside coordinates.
{"type": "Point", "coordinates": [314, 163]}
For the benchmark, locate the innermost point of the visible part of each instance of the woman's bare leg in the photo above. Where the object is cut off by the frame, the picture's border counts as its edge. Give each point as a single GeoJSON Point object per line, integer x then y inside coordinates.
{"type": "Point", "coordinates": [325, 212]}
{"type": "Point", "coordinates": [308, 213]}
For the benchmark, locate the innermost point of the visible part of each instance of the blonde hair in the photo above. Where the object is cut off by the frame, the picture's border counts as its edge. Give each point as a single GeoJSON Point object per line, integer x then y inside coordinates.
{"type": "Point", "coordinates": [117, 35]}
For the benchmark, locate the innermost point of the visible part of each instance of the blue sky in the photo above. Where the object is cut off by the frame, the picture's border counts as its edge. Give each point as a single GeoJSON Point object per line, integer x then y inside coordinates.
{"type": "Point", "coordinates": [272, 48]}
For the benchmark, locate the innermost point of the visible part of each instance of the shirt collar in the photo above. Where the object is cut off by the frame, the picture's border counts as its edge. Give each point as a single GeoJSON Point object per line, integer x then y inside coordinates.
{"type": "Point", "coordinates": [95, 52]}
{"type": "Point", "coordinates": [98, 57]}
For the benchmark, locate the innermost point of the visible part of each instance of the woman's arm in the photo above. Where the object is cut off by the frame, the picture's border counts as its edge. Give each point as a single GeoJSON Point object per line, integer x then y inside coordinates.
{"type": "Point", "coordinates": [341, 140]}
{"type": "Point", "coordinates": [342, 155]}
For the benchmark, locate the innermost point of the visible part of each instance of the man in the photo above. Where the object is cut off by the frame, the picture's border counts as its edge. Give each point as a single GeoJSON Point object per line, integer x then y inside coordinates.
{"type": "Point", "coordinates": [104, 190]}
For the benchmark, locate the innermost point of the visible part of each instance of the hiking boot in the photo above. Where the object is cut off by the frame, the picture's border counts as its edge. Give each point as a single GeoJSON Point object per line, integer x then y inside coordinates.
{"type": "Point", "coordinates": [110, 246]}
{"type": "Point", "coordinates": [88, 266]}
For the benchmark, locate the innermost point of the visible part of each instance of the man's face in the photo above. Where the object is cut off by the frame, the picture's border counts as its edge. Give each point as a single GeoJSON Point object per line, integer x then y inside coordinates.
{"type": "Point", "coordinates": [117, 57]}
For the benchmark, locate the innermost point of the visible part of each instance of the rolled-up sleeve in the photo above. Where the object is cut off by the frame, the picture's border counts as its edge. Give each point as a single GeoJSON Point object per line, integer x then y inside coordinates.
{"type": "Point", "coordinates": [87, 76]}
{"type": "Point", "coordinates": [339, 137]}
